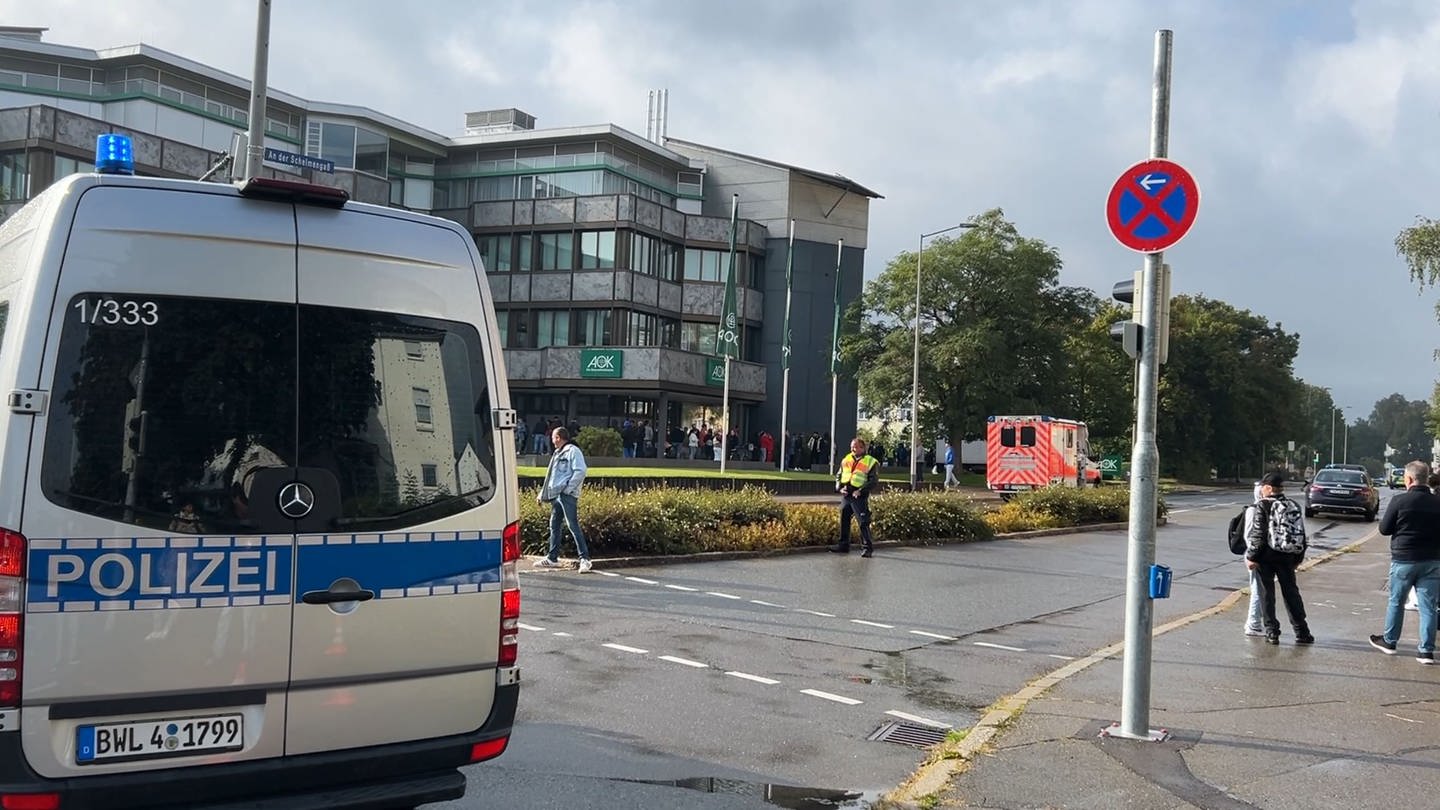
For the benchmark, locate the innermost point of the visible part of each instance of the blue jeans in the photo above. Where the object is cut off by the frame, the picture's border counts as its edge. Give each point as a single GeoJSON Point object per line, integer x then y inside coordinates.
{"type": "Point", "coordinates": [1424, 577]}
{"type": "Point", "coordinates": [564, 511]}
{"type": "Point", "coordinates": [1254, 618]}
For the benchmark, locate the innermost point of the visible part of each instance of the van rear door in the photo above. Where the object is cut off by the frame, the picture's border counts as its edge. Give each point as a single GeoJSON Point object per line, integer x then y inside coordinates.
{"type": "Point", "coordinates": [398, 560]}
{"type": "Point", "coordinates": [158, 614]}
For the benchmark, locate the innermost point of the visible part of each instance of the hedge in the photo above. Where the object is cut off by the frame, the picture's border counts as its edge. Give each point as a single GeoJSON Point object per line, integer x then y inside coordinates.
{"type": "Point", "coordinates": [664, 520]}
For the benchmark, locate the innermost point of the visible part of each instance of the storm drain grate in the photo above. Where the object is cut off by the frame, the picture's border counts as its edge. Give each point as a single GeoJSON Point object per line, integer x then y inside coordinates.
{"type": "Point", "coordinates": [908, 734]}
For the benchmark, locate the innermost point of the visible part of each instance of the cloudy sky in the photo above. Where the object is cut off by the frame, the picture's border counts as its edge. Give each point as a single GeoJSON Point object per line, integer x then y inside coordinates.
{"type": "Point", "coordinates": [1312, 126]}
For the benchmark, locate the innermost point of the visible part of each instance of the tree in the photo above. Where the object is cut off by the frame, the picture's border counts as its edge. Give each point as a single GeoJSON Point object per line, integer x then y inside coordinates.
{"type": "Point", "coordinates": [994, 323]}
{"type": "Point", "coordinates": [1398, 423]}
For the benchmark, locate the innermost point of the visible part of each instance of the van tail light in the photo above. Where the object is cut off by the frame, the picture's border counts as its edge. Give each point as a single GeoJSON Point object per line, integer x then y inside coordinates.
{"type": "Point", "coordinates": [30, 801]}
{"type": "Point", "coordinates": [12, 619]}
{"type": "Point", "coordinates": [479, 752]}
{"type": "Point", "coordinates": [509, 596]}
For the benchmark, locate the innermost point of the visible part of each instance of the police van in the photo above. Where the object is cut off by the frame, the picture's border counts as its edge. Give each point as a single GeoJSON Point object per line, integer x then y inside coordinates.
{"type": "Point", "coordinates": [258, 515]}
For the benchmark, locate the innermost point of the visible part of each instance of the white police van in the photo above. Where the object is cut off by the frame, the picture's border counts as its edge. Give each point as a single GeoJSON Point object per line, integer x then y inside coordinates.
{"type": "Point", "coordinates": [258, 519]}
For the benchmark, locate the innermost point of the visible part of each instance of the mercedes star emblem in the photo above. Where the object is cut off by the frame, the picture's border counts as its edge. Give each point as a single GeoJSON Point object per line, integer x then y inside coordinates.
{"type": "Point", "coordinates": [296, 500]}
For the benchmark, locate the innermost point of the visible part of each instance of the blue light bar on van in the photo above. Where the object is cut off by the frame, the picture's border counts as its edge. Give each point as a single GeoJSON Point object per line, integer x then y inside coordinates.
{"type": "Point", "coordinates": [113, 154]}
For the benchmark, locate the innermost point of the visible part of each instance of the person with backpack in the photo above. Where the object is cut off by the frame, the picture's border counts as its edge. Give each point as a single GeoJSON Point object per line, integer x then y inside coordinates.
{"type": "Point", "coordinates": [1275, 545]}
{"type": "Point", "coordinates": [1412, 522]}
{"type": "Point", "coordinates": [1254, 618]}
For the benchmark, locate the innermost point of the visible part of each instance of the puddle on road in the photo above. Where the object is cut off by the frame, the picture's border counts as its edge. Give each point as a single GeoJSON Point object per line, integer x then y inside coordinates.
{"type": "Point", "coordinates": [787, 796]}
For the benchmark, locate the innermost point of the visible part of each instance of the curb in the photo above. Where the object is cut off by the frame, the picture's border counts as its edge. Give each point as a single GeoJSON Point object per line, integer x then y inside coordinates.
{"type": "Point", "coordinates": [935, 775]}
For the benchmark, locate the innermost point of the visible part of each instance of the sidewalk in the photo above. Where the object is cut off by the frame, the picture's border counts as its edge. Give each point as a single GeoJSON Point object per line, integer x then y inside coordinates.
{"type": "Point", "coordinates": [1336, 725]}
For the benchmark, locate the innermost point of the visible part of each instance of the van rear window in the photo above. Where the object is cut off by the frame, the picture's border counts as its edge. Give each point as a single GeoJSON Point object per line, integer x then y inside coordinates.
{"type": "Point", "coordinates": [163, 420]}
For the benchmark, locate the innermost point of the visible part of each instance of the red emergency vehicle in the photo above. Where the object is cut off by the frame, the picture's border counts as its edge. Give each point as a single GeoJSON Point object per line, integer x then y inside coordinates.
{"type": "Point", "coordinates": [1030, 452]}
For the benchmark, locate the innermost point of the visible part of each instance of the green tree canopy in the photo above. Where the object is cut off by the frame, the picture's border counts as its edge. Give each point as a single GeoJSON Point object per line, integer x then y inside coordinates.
{"type": "Point", "coordinates": [994, 323]}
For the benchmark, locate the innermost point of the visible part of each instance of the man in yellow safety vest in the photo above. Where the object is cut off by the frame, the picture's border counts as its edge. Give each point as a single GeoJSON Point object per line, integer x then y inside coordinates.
{"type": "Point", "coordinates": [859, 472]}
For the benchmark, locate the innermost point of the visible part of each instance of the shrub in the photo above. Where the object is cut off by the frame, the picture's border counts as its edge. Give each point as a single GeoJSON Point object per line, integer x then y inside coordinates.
{"type": "Point", "coordinates": [908, 517]}
{"type": "Point", "coordinates": [599, 442]}
{"type": "Point", "coordinates": [1058, 507]}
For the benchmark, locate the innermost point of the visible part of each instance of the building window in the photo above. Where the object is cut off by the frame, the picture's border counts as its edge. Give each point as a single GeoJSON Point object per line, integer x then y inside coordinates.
{"type": "Point", "coordinates": [371, 150]}
{"type": "Point", "coordinates": [597, 249]}
{"type": "Point", "coordinates": [422, 407]}
{"type": "Point", "coordinates": [413, 350]}
{"type": "Point", "coordinates": [66, 166]}
{"type": "Point", "coordinates": [553, 328]}
{"type": "Point", "coordinates": [669, 333]}
{"type": "Point", "coordinates": [495, 250]}
{"type": "Point", "coordinates": [643, 329]}
{"type": "Point", "coordinates": [332, 142]}
{"type": "Point", "coordinates": [557, 251]}
{"type": "Point", "coordinates": [429, 475]}
{"type": "Point", "coordinates": [698, 337]}
{"type": "Point", "coordinates": [14, 176]}
{"type": "Point", "coordinates": [502, 325]}
{"type": "Point", "coordinates": [592, 327]}
{"type": "Point", "coordinates": [669, 262]}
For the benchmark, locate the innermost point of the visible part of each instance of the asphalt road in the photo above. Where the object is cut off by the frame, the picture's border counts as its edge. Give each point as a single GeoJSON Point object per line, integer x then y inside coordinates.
{"type": "Point", "coordinates": [729, 684]}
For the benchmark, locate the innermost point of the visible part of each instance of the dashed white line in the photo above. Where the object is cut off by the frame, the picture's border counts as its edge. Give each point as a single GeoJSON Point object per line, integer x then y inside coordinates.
{"type": "Point", "coordinates": [872, 624]}
{"type": "Point", "coordinates": [999, 646]}
{"type": "Point", "coordinates": [681, 588]}
{"type": "Point", "coordinates": [643, 581]}
{"type": "Point", "coordinates": [765, 604]}
{"type": "Point", "coordinates": [815, 613]}
{"type": "Point", "coordinates": [756, 678]}
{"type": "Point", "coordinates": [827, 696]}
{"type": "Point", "coordinates": [607, 573]}
{"type": "Point", "coordinates": [685, 661]}
{"type": "Point", "coordinates": [561, 634]}
{"type": "Point", "coordinates": [1062, 657]}
{"type": "Point", "coordinates": [623, 648]}
{"type": "Point", "coordinates": [532, 628]}
{"type": "Point", "coordinates": [932, 635]}
{"type": "Point", "coordinates": [924, 721]}
{"type": "Point", "coordinates": [721, 595]}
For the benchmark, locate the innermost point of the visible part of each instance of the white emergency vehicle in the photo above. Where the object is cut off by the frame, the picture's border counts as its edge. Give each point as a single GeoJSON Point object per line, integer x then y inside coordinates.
{"type": "Point", "coordinates": [258, 516]}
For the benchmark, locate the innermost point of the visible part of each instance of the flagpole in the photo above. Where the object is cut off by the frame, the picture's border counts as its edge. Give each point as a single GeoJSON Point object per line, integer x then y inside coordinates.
{"type": "Point", "coordinates": [729, 334]}
{"type": "Point", "coordinates": [784, 444]}
{"type": "Point", "coordinates": [835, 356]}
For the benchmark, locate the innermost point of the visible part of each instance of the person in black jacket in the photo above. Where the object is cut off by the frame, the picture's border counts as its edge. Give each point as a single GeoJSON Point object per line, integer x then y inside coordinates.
{"type": "Point", "coordinates": [1412, 522]}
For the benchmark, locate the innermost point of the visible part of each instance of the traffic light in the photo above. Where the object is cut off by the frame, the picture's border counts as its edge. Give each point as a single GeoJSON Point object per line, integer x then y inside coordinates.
{"type": "Point", "coordinates": [135, 433]}
{"type": "Point", "coordinates": [1129, 333]}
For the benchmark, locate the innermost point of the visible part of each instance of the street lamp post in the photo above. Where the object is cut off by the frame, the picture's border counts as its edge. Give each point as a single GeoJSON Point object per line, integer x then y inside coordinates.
{"type": "Point", "coordinates": [1333, 409]}
{"type": "Point", "coordinates": [915, 370]}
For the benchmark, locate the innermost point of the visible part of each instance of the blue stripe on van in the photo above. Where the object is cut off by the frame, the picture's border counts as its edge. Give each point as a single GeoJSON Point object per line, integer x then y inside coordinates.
{"type": "Point", "coordinates": [189, 571]}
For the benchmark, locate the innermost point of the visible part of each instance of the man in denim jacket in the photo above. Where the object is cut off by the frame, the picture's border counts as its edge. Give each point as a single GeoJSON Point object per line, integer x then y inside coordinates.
{"type": "Point", "coordinates": [562, 491]}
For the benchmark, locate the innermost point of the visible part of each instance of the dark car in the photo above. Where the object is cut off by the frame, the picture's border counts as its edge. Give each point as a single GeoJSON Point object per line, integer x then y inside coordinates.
{"type": "Point", "coordinates": [1336, 490]}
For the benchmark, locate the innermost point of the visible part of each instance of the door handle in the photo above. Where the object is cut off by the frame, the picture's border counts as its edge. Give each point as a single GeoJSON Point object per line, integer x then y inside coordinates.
{"type": "Point", "coordinates": [331, 597]}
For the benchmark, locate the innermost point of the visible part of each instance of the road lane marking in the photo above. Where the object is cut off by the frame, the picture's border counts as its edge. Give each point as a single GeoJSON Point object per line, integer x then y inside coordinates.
{"type": "Point", "coordinates": [607, 573]}
{"type": "Point", "coordinates": [921, 720]}
{"type": "Point", "coordinates": [756, 678]}
{"type": "Point", "coordinates": [1063, 657]}
{"type": "Point", "coordinates": [561, 634]}
{"type": "Point", "coordinates": [721, 595]}
{"type": "Point", "coordinates": [933, 635]}
{"type": "Point", "coordinates": [685, 661]}
{"type": "Point", "coordinates": [766, 604]}
{"type": "Point", "coordinates": [815, 613]}
{"type": "Point", "coordinates": [643, 581]}
{"type": "Point", "coordinates": [827, 696]}
{"type": "Point", "coordinates": [623, 648]}
{"type": "Point", "coordinates": [873, 624]}
{"type": "Point", "coordinates": [681, 588]}
{"type": "Point", "coordinates": [532, 628]}
{"type": "Point", "coordinates": [999, 646]}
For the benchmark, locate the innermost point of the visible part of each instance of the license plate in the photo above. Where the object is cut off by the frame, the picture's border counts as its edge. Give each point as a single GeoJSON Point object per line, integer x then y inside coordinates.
{"type": "Point", "coordinates": [147, 739]}
{"type": "Point", "coordinates": [1344, 492]}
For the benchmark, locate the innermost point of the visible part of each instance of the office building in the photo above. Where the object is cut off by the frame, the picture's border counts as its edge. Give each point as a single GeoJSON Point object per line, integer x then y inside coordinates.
{"type": "Point", "coordinates": [606, 250]}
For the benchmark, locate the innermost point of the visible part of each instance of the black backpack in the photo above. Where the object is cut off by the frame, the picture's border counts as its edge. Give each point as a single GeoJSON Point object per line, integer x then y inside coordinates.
{"type": "Point", "coordinates": [1236, 534]}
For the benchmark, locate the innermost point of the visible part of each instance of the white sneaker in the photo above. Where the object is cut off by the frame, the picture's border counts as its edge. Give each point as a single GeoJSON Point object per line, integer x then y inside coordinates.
{"type": "Point", "coordinates": [585, 566]}
{"type": "Point", "coordinates": [546, 562]}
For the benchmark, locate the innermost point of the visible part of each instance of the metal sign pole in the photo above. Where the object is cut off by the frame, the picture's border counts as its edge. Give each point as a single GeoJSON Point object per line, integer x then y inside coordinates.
{"type": "Point", "coordinates": [259, 80]}
{"type": "Point", "coordinates": [1145, 457]}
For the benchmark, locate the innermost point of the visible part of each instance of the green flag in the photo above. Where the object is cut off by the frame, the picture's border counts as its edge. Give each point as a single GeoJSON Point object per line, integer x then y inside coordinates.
{"type": "Point", "coordinates": [789, 276]}
{"type": "Point", "coordinates": [835, 331]}
{"type": "Point", "coordinates": [727, 337]}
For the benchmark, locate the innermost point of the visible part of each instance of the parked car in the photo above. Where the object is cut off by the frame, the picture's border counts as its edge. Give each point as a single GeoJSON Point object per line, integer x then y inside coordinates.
{"type": "Point", "coordinates": [1340, 490]}
{"type": "Point", "coordinates": [1397, 478]}
{"type": "Point", "coordinates": [1357, 467]}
